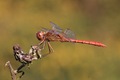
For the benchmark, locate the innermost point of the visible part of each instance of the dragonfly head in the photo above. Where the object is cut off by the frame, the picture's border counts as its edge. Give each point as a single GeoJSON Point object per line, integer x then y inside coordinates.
{"type": "Point", "coordinates": [40, 35]}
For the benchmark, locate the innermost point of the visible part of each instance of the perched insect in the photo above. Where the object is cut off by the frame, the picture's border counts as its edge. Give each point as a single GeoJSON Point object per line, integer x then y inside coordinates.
{"type": "Point", "coordinates": [57, 34]}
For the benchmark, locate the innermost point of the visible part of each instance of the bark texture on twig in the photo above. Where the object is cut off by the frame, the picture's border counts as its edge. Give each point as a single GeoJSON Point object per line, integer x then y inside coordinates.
{"type": "Point", "coordinates": [12, 71]}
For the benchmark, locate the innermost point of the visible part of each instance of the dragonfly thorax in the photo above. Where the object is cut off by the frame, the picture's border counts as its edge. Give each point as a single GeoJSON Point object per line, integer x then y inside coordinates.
{"type": "Point", "coordinates": [40, 35]}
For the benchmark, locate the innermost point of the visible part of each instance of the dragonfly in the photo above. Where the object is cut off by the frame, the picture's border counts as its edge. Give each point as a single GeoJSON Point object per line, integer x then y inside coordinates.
{"type": "Point", "coordinates": [58, 34]}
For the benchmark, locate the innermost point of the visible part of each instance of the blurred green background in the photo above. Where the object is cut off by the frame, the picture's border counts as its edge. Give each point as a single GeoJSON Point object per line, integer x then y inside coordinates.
{"type": "Point", "coordinates": [97, 20]}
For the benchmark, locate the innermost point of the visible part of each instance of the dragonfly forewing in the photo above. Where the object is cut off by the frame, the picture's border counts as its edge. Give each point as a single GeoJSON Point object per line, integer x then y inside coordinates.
{"type": "Point", "coordinates": [55, 27]}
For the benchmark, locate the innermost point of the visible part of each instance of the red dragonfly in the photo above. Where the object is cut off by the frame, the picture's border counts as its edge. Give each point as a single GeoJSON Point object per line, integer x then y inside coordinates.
{"type": "Point", "coordinates": [57, 34]}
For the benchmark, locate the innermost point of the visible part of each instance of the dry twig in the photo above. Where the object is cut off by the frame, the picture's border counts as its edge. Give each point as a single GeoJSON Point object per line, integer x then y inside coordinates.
{"type": "Point", "coordinates": [12, 71]}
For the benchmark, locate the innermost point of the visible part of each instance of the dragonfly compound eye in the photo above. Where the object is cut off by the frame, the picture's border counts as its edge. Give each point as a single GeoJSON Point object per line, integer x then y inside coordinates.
{"type": "Point", "coordinates": [40, 35]}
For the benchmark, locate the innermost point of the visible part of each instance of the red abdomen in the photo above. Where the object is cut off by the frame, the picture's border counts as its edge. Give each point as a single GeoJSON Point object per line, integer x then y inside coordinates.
{"type": "Point", "coordinates": [88, 42]}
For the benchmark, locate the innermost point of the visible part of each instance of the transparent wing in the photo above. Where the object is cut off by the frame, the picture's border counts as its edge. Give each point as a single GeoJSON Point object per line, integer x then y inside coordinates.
{"type": "Point", "coordinates": [56, 27]}
{"type": "Point", "coordinates": [69, 34]}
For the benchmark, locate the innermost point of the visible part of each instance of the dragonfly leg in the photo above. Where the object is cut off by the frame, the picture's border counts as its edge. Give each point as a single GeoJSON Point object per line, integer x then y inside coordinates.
{"type": "Point", "coordinates": [41, 42]}
{"type": "Point", "coordinates": [43, 46]}
{"type": "Point", "coordinates": [50, 48]}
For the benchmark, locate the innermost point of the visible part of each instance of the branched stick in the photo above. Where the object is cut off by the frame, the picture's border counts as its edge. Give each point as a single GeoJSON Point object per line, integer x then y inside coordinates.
{"type": "Point", "coordinates": [12, 71]}
{"type": "Point", "coordinates": [25, 59]}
